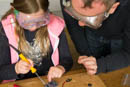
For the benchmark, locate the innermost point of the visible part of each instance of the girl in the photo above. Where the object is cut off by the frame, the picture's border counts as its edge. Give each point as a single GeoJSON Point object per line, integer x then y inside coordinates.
{"type": "Point", "coordinates": [39, 35]}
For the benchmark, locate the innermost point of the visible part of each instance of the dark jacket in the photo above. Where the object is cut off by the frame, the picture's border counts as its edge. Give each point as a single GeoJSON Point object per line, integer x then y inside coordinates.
{"type": "Point", "coordinates": [114, 29]}
{"type": "Point", "coordinates": [7, 70]}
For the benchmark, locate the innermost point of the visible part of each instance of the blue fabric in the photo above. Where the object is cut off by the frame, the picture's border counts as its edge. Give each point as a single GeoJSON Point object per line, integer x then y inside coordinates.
{"type": "Point", "coordinates": [99, 46]}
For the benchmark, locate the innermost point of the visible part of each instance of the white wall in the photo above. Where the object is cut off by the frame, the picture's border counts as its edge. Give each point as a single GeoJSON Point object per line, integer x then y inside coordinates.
{"type": "Point", "coordinates": [5, 5]}
{"type": "Point", "coordinates": [54, 5]}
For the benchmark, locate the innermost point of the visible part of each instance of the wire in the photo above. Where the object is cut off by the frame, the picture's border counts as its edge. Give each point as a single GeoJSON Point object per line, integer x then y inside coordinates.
{"type": "Point", "coordinates": [67, 80]}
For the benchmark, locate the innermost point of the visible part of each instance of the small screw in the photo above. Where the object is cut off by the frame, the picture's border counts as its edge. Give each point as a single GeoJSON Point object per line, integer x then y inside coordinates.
{"type": "Point", "coordinates": [89, 85]}
{"type": "Point", "coordinates": [68, 80]}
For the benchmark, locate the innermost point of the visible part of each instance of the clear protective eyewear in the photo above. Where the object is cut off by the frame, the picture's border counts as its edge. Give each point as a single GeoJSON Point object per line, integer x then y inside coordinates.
{"type": "Point", "coordinates": [91, 21]}
{"type": "Point", "coordinates": [27, 21]}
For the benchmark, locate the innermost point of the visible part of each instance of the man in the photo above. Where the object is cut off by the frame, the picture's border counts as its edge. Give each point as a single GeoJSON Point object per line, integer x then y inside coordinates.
{"type": "Point", "coordinates": [100, 30]}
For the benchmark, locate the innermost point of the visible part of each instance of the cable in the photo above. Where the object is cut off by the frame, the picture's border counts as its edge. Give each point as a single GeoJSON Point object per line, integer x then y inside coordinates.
{"type": "Point", "coordinates": [67, 80]}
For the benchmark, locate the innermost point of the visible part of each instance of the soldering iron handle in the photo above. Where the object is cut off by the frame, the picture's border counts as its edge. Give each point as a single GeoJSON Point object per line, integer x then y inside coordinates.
{"type": "Point", "coordinates": [33, 70]}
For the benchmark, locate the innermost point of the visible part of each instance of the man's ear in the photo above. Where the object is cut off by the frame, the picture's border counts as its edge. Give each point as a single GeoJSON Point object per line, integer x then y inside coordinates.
{"type": "Point", "coordinates": [114, 7]}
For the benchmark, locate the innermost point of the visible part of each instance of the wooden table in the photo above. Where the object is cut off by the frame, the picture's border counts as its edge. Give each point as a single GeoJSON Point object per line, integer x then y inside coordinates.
{"type": "Point", "coordinates": [115, 78]}
{"type": "Point", "coordinates": [111, 79]}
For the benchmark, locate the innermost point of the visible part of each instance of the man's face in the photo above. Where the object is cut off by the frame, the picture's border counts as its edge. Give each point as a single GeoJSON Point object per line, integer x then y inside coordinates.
{"type": "Point", "coordinates": [97, 8]}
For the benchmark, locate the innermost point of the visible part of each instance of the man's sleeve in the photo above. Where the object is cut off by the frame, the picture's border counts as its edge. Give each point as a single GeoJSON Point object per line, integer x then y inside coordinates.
{"type": "Point", "coordinates": [121, 58]}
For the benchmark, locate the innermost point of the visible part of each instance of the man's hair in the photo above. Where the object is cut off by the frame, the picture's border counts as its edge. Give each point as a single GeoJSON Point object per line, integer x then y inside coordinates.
{"type": "Point", "coordinates": [108, 3]}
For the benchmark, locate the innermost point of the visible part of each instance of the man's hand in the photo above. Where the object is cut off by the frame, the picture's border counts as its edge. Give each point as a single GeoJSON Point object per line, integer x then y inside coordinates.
{"type": "Point", "coordinates": [55, 72]}
{"type": "Point", "coordinates": [89, 63]}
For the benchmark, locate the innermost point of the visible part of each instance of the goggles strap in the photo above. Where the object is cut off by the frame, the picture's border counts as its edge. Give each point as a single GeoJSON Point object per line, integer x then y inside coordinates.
{"type": "Point", "coordinates": [16, 12]}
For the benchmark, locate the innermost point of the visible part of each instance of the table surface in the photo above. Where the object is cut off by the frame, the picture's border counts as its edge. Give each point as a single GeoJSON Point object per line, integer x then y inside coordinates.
{"type": "Point", "coordinates": [110, 79]}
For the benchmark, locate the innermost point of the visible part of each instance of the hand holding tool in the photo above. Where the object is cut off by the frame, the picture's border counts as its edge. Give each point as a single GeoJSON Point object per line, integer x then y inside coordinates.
{"type": "Point", "coordinates": [22, 57]}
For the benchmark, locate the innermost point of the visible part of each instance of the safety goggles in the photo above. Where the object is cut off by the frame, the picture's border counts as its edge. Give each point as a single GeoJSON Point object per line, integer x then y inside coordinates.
{"type": "Point", "coordinates": [29, 21]}
{"type": "Point", "coordinates": [91, 21]}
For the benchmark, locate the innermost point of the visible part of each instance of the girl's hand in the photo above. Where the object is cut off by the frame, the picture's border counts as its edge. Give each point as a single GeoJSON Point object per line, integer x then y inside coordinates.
{"type": "Point", "coordinates": [55, 72]}
{"type": "Point", "coordinates": [23, 67]}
